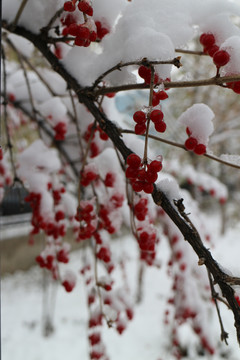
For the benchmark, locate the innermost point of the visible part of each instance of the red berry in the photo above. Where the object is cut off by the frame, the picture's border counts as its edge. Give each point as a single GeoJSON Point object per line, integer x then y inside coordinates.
{"type": "Point", "coordinates": [85, 8]}
{"type": "Point", "coordinates": [111, 95]}
{"type": "Point", "coordinates": [160, 126]}
{"type": "Point", "coordinates": [148, 188]}
{"type": "Point", "coordinates": [200, 149]}
{"type": "Point", "coordinates": [155, 99]}
{"type": "Point", "coordinates": [221, 58]}
{"type": "Point", "coordinates": [236, 87]}
{"type": "Point", "coordinates": [73, 29]}
{"type": "Point", "coordinates": [109, 179]}
{"type": "Point", "coordinates": [211, 51]}
{"type": "Point", "coordinates": [104, 254]}
{"type": "Point", "coordinates": [59, 215]}
{"type": "Point", "coordinates": [191, 143]}
{"type": "Point", "coordinates": [69, 6]}
{"type": "Point", "coordinates": [155, 166]}
{"type": "Point", "coordinates": [94, 338]}
{"type": "Point", "coordinates": [134, 161]}
{"type": "Point", "coordinates": [131, 173]}
{"type": "Point", "coordinates": [151, 177]}
{"type": "Point", "coordinates": [156, 115]}
{"type": "Point", "coordinates": [139, 117]}
{"type": "Point", "coordinates": [140, 129]}
{"type": "Point", "coordinates": [137, 185]}
{"type": "Point", "coordinates": [207, 40]}
{"type": "Point", "coordinates": [83, 32]}
{"type": "Point", "coordinates": [162, 95]}
{"type": "Point", "coordinates": [144, 72]}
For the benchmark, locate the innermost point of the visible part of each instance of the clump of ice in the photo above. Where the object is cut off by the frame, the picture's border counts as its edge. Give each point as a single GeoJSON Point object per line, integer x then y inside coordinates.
{"type": "Point", "coordinates": [198, 118]}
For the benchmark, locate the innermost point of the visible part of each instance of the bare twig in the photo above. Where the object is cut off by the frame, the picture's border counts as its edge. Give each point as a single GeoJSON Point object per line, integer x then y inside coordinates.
{"type": "Point", "coordinates": [181, 146]}
{"type": "Point", "coordinates": [220, 81]}
{"type": "Point", "coordinates": [224, 334]}
{"type": "Point", "coordinates": [5, 102]}
{"type": "Point", "coordinates": [144, 61]}
{"type": "Point", "coordinates": [19, 13]}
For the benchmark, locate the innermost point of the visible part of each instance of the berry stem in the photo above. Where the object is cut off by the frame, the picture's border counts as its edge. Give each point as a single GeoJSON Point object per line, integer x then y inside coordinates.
{"type": "Point", "coordinates": [148, 116]}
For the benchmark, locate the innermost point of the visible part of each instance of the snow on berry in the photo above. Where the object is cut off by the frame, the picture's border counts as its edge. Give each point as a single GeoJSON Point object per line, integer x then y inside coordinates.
{"type": "Point", "coordinates": [69, 280]}
{"type": "Point", "coordinates": [198, 119]}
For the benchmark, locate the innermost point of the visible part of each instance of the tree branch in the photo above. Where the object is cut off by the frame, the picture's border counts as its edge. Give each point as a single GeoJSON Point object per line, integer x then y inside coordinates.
{"type": "Point", "coordinates": [179, 217]}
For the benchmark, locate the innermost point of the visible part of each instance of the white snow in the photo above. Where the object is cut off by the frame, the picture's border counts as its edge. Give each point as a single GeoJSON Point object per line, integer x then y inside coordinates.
{"type": "Point", "coordinates": [146, 337]}
{"type": "Point", "coordinates": [198, 118]}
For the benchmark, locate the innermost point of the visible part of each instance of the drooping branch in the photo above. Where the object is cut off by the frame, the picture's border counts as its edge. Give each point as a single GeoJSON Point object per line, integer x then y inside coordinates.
{"type": "Point", "coordinates": [175, 212]}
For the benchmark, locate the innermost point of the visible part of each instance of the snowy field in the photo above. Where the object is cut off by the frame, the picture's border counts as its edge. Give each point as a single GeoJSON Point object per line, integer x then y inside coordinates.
{"type": "Point", "coordinates": [145, 337]}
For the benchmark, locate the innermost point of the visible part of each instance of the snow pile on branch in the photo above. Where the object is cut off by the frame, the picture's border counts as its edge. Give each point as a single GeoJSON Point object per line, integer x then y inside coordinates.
{"type": "Point", "coordinates": [198, 119]}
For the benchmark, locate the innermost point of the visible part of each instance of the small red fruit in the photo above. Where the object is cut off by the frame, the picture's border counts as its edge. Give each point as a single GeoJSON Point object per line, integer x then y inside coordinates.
{"type": "Point", "coordinates": [160, 126]}
{"type": "Point", "coordinates": [221, 58]}
{"type": "Point", "coordinates": [134, 160]}
{"type": "Point", "coordinates": [156, 115]}
{"type": "Point", "coordinates": [140, 129]}
{"type": "Point", "coordinates": [207, 40]}
{"type": "Point", "coordinates": [190, 143]}
{"type": "Point", "coordinates": [69, 6]}
{"type": "Point", "coordinates": [139, 117]}
{"type": "Point", "coordinates": [200, 149]}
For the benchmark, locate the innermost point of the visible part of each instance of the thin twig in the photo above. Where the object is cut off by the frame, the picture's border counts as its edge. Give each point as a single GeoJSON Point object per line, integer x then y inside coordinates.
{"type": "Point", "coordinates": [5, 102]}
{"type": "Point", "coordinates": [148, 116]}
{"type": "Point", "coordinates": [144, 61]}
{"type": "Point", "coordinates": [224, 334]}
{"type": "Point", "coordinates": [19, 13]}
{"type": "Point", "coordinates": [173, 143]}
{"type": "Point", "coordinates": [52, 20]}
{"type": "Point", "coordinates": [220, 81]}
{"type": "Point", "coordinates": [191, 52]}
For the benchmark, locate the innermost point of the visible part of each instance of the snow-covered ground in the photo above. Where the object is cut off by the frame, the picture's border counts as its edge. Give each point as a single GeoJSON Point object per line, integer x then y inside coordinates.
{"type": "Point", "coordinates": [145, 338]}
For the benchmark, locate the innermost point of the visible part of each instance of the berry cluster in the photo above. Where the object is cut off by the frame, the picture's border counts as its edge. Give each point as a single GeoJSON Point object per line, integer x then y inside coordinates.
{"type": "Point", "coordinates": [84, 6]}
{"type": "Point", "coordinates": [69, 281]}
{"type": "Point", "coordinates": [107, 212]}
{"type": "Point", "coordinates": [141, 209]}
{"type": "Point", "coordinates": [90, 133]}
{"type": "Point", "coordinates": [87, 32]}
{"type": "Point", "coordinates": [84, 33]}
{"type": "Point", "coordinates": [155, 115]}
{"type": "Point", "coordinates": [88, 175]}
{"type": "Point", "coordinates": [142, 178]}
{"type": "Point", "coordinates": [87, 218]}
{"type": "Point", "coordinates": [192, 144]}
{"type": "Point", "coordinates": [60, 130]}
{"type": "Point", "coordinates": [110, 179]}
{"type": "Point", "coordinates": [220, 57]}
{"type": "Point", "coordinates": [101, 30]}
